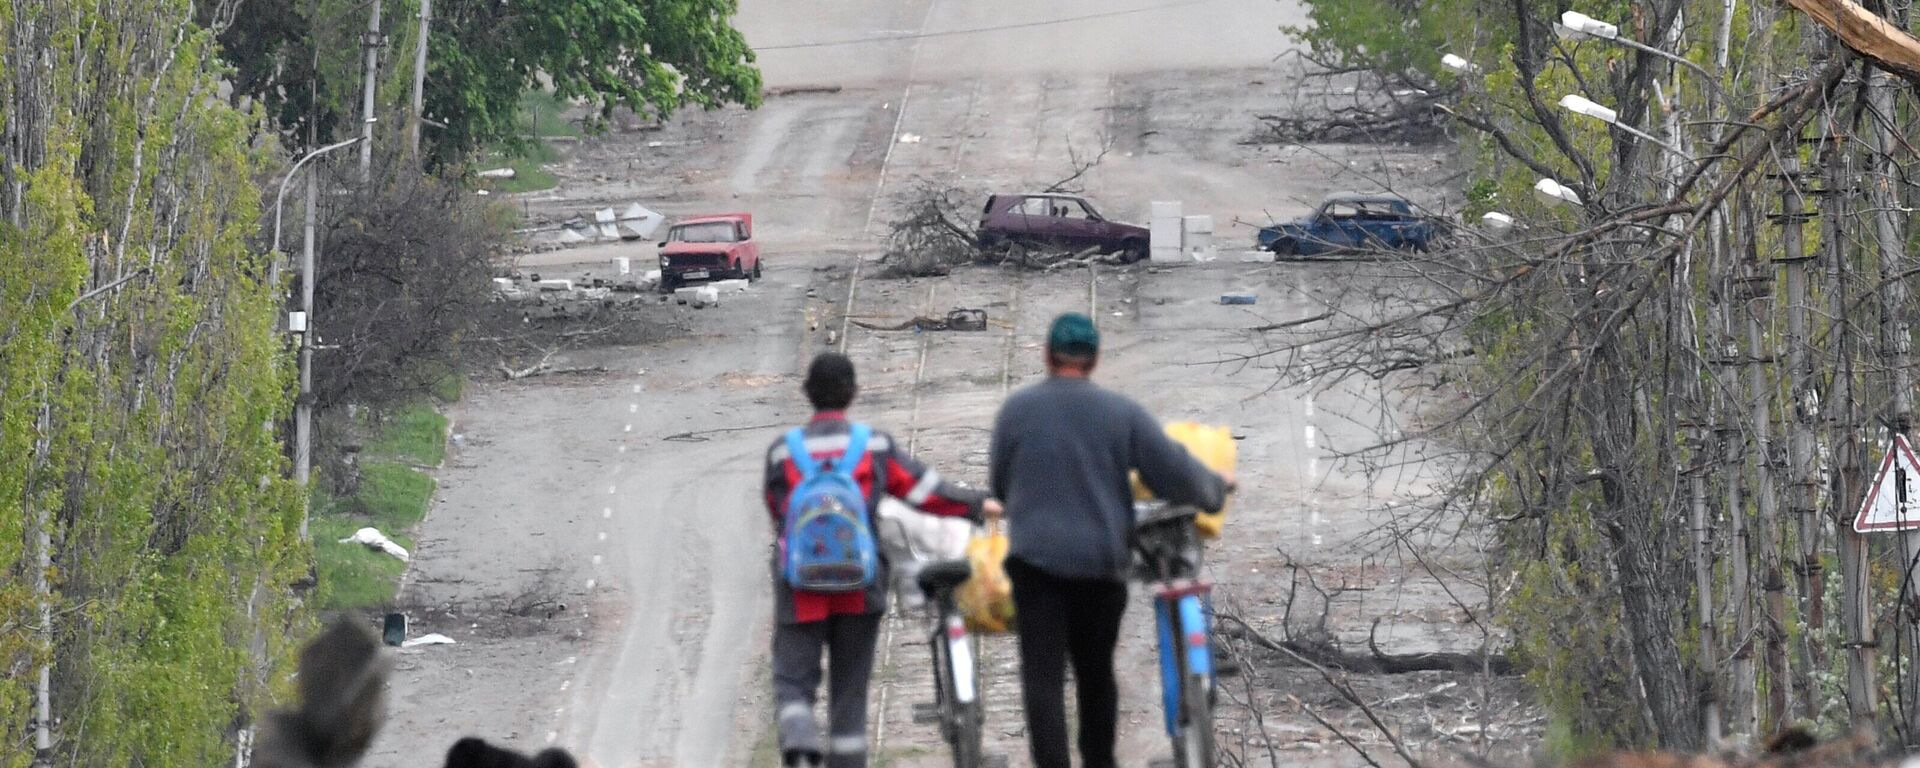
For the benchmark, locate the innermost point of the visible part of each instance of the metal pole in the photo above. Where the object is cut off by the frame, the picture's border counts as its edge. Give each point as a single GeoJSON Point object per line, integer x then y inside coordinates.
{"type": "Point", "coordinates": [419, 80]}
{"type": "Point", "coordinates": [303, 407]}
{"type": "Point", "coordinates": [372, 45]}
{"type": "Point", "coordinates": [1893, 296]}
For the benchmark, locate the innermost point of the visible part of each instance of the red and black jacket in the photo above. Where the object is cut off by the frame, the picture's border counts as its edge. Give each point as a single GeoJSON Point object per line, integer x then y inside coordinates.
{"type": "Point", "coordinates": [886, 470]}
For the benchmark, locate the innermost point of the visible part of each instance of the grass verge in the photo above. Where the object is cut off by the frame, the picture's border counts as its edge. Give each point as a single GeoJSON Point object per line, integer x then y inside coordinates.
{"type": "Point", "coordinates": [542, 116]}
{"type": "Point", "coordinates": [392, 496]}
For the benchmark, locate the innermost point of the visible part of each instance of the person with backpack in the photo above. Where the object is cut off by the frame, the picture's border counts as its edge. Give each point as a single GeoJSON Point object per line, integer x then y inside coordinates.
{"type": "Point", "coordinates": [824, 482]}
{"type": "Point", "coordinates": [1061, 456]}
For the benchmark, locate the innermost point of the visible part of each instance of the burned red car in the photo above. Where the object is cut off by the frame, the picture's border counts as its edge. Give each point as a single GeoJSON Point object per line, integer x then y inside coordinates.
{"type": "Point", "coordinates": [1052, 220]}
{"type": "Point", "coordinates": [716, 247]}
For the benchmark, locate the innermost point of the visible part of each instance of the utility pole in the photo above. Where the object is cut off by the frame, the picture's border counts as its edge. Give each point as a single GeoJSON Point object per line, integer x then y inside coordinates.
{"type": "Point", "coordinates": [1803, 501]}
{"type": "Point", "coordinates": [419, 81]}
{"type": "Point", "coordinates": [371, 73]}
{"type": "Point", "coordinates": [1884, 200]}
{"type": "Point", "coordinates": [1844, 432]}
{"type": "Point", "coordinates": [303, 406]}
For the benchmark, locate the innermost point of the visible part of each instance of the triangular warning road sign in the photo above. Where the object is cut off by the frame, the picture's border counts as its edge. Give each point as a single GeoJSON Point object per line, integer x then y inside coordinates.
{"type": "Point", "coordinates": [1893, 504]}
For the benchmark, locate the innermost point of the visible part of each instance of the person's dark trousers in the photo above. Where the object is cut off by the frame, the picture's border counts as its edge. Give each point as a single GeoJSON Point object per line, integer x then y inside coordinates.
{"type": "Point", "coordinates": [849, 641]}
{"type": "Point", "coordinates": [1060, 620]}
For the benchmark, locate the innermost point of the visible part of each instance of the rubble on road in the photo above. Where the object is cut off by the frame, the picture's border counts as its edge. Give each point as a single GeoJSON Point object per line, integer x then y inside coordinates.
{"type": "Point", "coordinates": [957, 320]}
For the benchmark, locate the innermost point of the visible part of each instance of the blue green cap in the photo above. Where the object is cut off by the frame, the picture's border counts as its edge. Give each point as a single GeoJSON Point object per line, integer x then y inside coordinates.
{"type": "Point", "coordinates": [1073, 333]}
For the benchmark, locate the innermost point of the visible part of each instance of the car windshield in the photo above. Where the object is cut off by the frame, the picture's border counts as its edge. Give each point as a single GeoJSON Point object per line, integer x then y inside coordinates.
{"type": "Point", "coordinates": [705, 232]}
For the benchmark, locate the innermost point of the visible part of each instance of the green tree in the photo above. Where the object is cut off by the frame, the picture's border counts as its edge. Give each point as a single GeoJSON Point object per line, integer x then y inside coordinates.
{"type": "Point", "coordinates": [140, 369]}
{"type": "Point", "coordinates": [301, 59]}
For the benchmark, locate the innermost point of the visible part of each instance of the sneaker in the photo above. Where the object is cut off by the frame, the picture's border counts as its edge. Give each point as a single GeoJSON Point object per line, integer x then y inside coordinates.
{"type": "Point", "coordinates": [802, 758]}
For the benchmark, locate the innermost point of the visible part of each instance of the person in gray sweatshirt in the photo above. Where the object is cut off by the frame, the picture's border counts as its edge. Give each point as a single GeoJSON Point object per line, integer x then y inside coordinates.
{"type": "Point", "coordinates": [1060, 460]}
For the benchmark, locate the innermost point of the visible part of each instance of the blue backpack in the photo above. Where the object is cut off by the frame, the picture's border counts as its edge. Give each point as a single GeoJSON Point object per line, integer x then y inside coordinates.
{"type": "Point", "coordinates": [828, 543]}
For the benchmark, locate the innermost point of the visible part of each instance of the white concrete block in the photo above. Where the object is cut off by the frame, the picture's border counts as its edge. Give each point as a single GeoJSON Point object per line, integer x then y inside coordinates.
{"type": "Point", "coordinates": [503, 284]}
{"type": "Point", "coordinates": [622, 265]}
{"type": "Point", "coordinates": [556, 285]}
{"type": "Point", "coordinates": [728, 286]}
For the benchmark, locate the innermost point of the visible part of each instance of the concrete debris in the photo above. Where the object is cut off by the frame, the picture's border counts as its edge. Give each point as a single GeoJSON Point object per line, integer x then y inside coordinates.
{"type": "Point", "coordinates": [503, 284]}
{"type": "Point", "coordinates": [698, 297]}
{"type": "Point", "coordinates": [569, 237]}
{"type": "Point", "coordinates": [372, 538]}
{"type": "Point", "coordinates": [555, 285]}
{"type": "Point", "coordinates": [729, 286]}
{"type": "Point", "coordinates": [640, 223]}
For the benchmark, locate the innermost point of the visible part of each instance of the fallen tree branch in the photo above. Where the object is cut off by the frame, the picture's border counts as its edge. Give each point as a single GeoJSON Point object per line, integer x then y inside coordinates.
{"type": "Point", "coordinates": [1339, 686]}
{"type": "Point", "coordinates": [1322, 653]}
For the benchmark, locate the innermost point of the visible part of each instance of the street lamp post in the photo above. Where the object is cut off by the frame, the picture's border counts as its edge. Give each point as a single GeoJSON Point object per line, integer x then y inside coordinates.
{"type": "Point", "coordinates": [1581, 105]}
{"type": "Point", "coordinates": [303, 407]}
{"type": "Point", "coordinates": [1574, 25]}
{"type": "Point", "coordinates": [1556, 193]}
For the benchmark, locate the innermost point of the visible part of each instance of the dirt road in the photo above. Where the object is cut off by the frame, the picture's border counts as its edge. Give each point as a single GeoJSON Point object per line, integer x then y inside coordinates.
{"type": "Point", "coordinates": [597, 548]}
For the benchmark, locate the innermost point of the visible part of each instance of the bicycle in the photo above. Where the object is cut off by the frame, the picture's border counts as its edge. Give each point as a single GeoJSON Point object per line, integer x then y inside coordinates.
{"type": "Point", "coordinates": [1169, 551]}
{"type": "Point", "coordinates": [956, 706]}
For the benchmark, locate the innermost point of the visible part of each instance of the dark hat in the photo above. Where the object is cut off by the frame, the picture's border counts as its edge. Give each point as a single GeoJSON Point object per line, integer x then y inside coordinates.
{"type": "Point", "coordinates": [1074, 334]}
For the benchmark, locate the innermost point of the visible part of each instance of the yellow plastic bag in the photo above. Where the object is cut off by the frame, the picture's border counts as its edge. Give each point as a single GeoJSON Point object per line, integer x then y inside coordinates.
{"type": "Point", "coordinates": [986, 598]}
{"type": "Point", "coordinates": [1214, 447]}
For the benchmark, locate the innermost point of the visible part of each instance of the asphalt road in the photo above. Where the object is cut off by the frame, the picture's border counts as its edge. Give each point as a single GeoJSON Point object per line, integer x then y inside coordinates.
{"type": "Point", "coordinates": [630, 495]}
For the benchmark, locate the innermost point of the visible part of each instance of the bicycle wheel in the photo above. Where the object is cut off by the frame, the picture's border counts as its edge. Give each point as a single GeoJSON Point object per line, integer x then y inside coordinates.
{"type": "Point", "coordinates": [943, 685]}
{"type": "Point", "coordinates": [966, 718]}
{"type": "Point", "coordinates": [1196, 733]}
{"type": "Point", "coordinates": [967, 735]}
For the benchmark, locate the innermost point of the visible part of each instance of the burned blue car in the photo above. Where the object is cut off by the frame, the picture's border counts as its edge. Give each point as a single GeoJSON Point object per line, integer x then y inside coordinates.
{"type": "Point", "coordinates": [1352, 222]}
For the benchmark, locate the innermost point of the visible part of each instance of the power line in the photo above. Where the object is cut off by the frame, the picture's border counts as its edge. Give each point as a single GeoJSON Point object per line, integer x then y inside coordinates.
{"type": "Point", "coordinates": [979, 30]}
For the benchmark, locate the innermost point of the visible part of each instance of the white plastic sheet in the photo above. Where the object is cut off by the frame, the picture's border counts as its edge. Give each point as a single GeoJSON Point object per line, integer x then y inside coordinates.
{"type": "Point", "coordinates": [373, 538]}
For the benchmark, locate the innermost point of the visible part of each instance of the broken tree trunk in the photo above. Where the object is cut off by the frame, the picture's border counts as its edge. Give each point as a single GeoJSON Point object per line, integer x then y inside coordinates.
{"type": "Point", "coordinates": [1880, 41]}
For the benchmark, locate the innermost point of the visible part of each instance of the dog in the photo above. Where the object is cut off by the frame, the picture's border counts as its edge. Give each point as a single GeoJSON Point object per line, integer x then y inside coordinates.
{"type": "Point", "coordinates": [341, 707]}
{"type": "Point", "coordinates": [476, 753]}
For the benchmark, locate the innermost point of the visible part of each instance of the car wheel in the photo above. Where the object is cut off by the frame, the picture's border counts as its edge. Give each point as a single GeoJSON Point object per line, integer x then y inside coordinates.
{"type": "Point", "coordinates": [1284, 248]}
{"type": "Point", "coordinates": [756, 270]}
{"type": "Point", "coordinates": [1135, 250]}
{"type": "Point", "coordinates": [668, 284]}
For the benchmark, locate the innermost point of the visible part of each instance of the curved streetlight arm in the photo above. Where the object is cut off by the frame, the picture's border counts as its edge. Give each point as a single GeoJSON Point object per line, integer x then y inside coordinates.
{"type": "Point", "coordinates": [1711, 81]}
{"type": "Point", "coordinates": [295, 170]}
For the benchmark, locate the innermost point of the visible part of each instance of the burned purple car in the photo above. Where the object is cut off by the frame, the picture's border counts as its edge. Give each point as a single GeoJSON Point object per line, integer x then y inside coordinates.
{"type": "Point", "coordinates": [1052, 220]}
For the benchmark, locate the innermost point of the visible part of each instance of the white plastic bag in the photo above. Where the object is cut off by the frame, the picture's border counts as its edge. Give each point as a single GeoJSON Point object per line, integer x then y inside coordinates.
{"type": "Point", "coordinates": [911, 538]}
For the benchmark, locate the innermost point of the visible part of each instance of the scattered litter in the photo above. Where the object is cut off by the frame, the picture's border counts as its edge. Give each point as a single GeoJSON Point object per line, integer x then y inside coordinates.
{"type": "Point", "coordinates": [656, 144]}
{"type": "Point", "coordinates": [1236, 298]}
{"type": "Point", "coordinates": [433, 639]}
{"type": "Point", "coordinates": [496, 173]}
{"type": "Point", "coordinates": [374, 539]}
{"type": "Point", "coordinates": [909, 138]}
